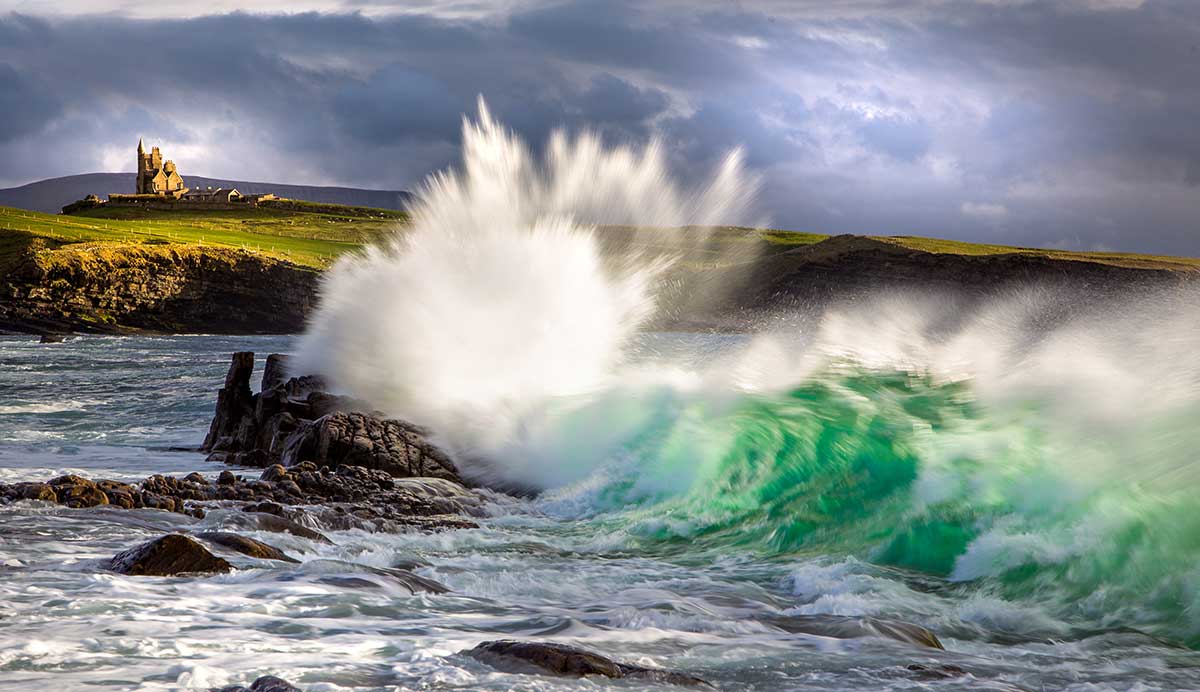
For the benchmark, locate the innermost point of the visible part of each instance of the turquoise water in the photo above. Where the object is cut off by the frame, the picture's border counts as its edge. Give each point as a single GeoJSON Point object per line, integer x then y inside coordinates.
{"type": "Point", "coordinates": [1052, 541]}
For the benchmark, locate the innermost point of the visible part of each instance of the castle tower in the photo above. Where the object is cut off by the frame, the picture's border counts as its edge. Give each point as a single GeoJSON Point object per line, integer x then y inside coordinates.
{"type": "Point", "coordinates": [154, 177]}
{"type": "Point", "coordinates": [141, 168]}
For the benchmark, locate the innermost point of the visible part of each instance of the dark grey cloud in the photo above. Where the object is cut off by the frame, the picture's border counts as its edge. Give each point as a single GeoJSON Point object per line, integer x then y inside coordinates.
{"type": "Point", "coordinates": [26, 104]}
{"type": "Point", "coordinates": [1025, 121]}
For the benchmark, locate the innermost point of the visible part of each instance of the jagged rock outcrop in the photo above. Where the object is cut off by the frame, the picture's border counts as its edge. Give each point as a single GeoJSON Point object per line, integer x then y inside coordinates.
{"type": "Point", "coordinates": [116, 288]}
{"type": "Point", "coordinates": [294, 421]}
{"type": "Point", "coordinates": [167, 556]}
{"type": "Point", "coordinates": [359, 439]}
{"type": "Point", "coordinates": [560, 659]}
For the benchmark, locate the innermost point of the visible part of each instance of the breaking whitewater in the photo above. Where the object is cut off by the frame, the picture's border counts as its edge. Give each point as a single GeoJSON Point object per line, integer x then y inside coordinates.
{"type": "Point", "coordinates": [774, 511]}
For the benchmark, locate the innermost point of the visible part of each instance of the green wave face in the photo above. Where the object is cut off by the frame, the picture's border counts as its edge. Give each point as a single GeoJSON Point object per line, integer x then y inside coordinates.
{"type": "Point", "coordinates": [1099, 525]}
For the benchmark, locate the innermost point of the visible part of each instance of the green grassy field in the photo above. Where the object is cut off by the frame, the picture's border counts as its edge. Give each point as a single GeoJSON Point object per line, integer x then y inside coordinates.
{"type": "Point", "coordinates": [309, 238]}
{"type": "Point", "coordinates": [314, 235]}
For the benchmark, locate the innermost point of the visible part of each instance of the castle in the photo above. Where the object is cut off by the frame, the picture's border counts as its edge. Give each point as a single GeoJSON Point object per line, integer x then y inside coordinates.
{"type": "Point", "coordinates": [159, 186]}
{"type": "Point", "coordinates": [155, 177]}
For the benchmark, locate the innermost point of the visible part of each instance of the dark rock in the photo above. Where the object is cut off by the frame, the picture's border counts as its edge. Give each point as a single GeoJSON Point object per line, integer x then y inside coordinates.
{"type": "Point", "coordinates": [195, 477]}
{"type": "Point", "coordinates": [226, 478]}
{"type": "Point", "coordinates": [37, 491]}
{"type": "Point", "coordinates": [356, 439]}
{"type": "Point", "coordinates": [76, 492]}
{"type": "Point", "coordinates": [560, 659]}
{"type": "Point", "coordinates": [52, 339]}
{"type": "Point", "coordinates": [121, 499]}
{"type": "Point", "coordinates": [938, 671]}
{"type": "Point", "coordinates": [854, 627]}
{"type": "Point", "coordinates": [245, 546]}
{"type": "Point", "coordinates": [320, 404]}
{"type": "Point", "coordinates": [289, 488]}
{"type": "Point", "coordinates": [265, 507]}
{"type": "Point", "coordinates": [275, 371]}
{"type": "Point", "coordinates": [279, 524]}
{"type": "Point", "coordinates": [166, 556]}
{"type": "Point", "coordinates": [267, 683]}
{"type": "Point", "coordinates": [234, 402]}
{"type": "Point", "coordinates": [156, 501]}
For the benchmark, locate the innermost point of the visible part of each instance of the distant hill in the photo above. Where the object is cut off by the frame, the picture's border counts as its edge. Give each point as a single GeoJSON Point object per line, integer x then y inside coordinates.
{"type": "Point", "coordinates": [52, 195]}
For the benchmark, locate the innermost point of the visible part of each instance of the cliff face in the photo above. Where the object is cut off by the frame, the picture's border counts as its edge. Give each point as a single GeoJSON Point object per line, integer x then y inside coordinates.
{"type": "Point", "coordinates": [117, 288]}
{"type": "Point", "coordinates": [845, 269]}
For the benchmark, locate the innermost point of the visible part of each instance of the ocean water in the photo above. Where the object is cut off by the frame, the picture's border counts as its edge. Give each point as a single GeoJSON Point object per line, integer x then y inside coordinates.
{"type": "Point", "coordinates": [1048, 547]}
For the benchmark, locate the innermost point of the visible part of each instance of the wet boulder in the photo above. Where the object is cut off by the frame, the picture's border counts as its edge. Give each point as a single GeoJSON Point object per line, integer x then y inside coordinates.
{"type": "Point", "coordinates": [34, 491]}
{"type": "Point", "coordinates": [854, 627]}
{"type": "Point", "coordinates": [75, 491]}
{"type": "Point", "coordinates": [267, 683]}
{"type": "Point", "coordinates": [561, 659]}
{"type": "Point", "coordinates": [167, 556]}
{"type": "Point", "coordinates": [119, 494]}
{"type": "Point", "coordinates": [246, 546]}
{"type": "Point", "coordinates": [358, 439]}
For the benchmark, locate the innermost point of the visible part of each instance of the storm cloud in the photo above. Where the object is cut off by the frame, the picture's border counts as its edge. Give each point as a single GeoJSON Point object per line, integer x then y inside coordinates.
{"type": "Point", "coordinates": [1069, 124]}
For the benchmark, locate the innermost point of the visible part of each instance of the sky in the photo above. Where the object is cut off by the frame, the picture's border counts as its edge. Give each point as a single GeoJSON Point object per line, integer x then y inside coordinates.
{"type": "Point", "coordinates": [1066, 123]}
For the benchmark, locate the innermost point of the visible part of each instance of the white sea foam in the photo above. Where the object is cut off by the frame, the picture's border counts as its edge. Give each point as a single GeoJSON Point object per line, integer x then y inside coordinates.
{"type": "Point", "coordinates": [498, 302]}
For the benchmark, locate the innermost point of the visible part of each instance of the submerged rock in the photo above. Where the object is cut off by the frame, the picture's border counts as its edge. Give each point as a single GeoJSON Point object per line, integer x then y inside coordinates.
{"type": "Point", "coordinates": [167, 556]}
{"type": "Point", "coordinates": [935, 671]}
{"type": "Point", "coordinates": [359, 576]}
{"type": "Point", "coordinates": [280, 524]}
{"type": "Point", "coordinates": [267, 683]}
{"type": "Point", "coordinates": [561, 659]}
{"type": "Point", "coordinates": [245, 546]}
{"type": "Point", "coordinates": [853, 627]}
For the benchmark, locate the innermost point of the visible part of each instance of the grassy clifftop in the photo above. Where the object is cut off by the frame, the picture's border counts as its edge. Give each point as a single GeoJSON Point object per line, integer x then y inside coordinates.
{"type": "Point", "coordinates": [313, 235]}
{"type": "Point", "coordinates": [310, 235]}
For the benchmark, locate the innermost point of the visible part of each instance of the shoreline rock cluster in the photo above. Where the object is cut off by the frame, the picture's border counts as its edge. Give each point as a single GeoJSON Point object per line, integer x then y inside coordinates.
{"type": "Point", "coordinates": [293, 420]}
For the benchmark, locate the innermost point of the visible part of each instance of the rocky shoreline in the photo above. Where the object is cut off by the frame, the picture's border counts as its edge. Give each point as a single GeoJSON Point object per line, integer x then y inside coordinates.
{"type": "Point", "coordinates": [329, 466]}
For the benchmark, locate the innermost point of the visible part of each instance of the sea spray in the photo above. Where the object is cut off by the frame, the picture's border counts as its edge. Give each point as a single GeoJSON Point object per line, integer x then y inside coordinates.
{"type": "Point", "coordinates": [498, 302]}
{"type": "Point", "coordinates": [1033, 450]}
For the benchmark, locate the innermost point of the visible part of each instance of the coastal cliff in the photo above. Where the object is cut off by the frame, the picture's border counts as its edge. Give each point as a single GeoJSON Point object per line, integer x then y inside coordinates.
{"type": "Point", "coordinates": [51, 286]}
{"type": "Point", "coordinates": [114, 288]}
